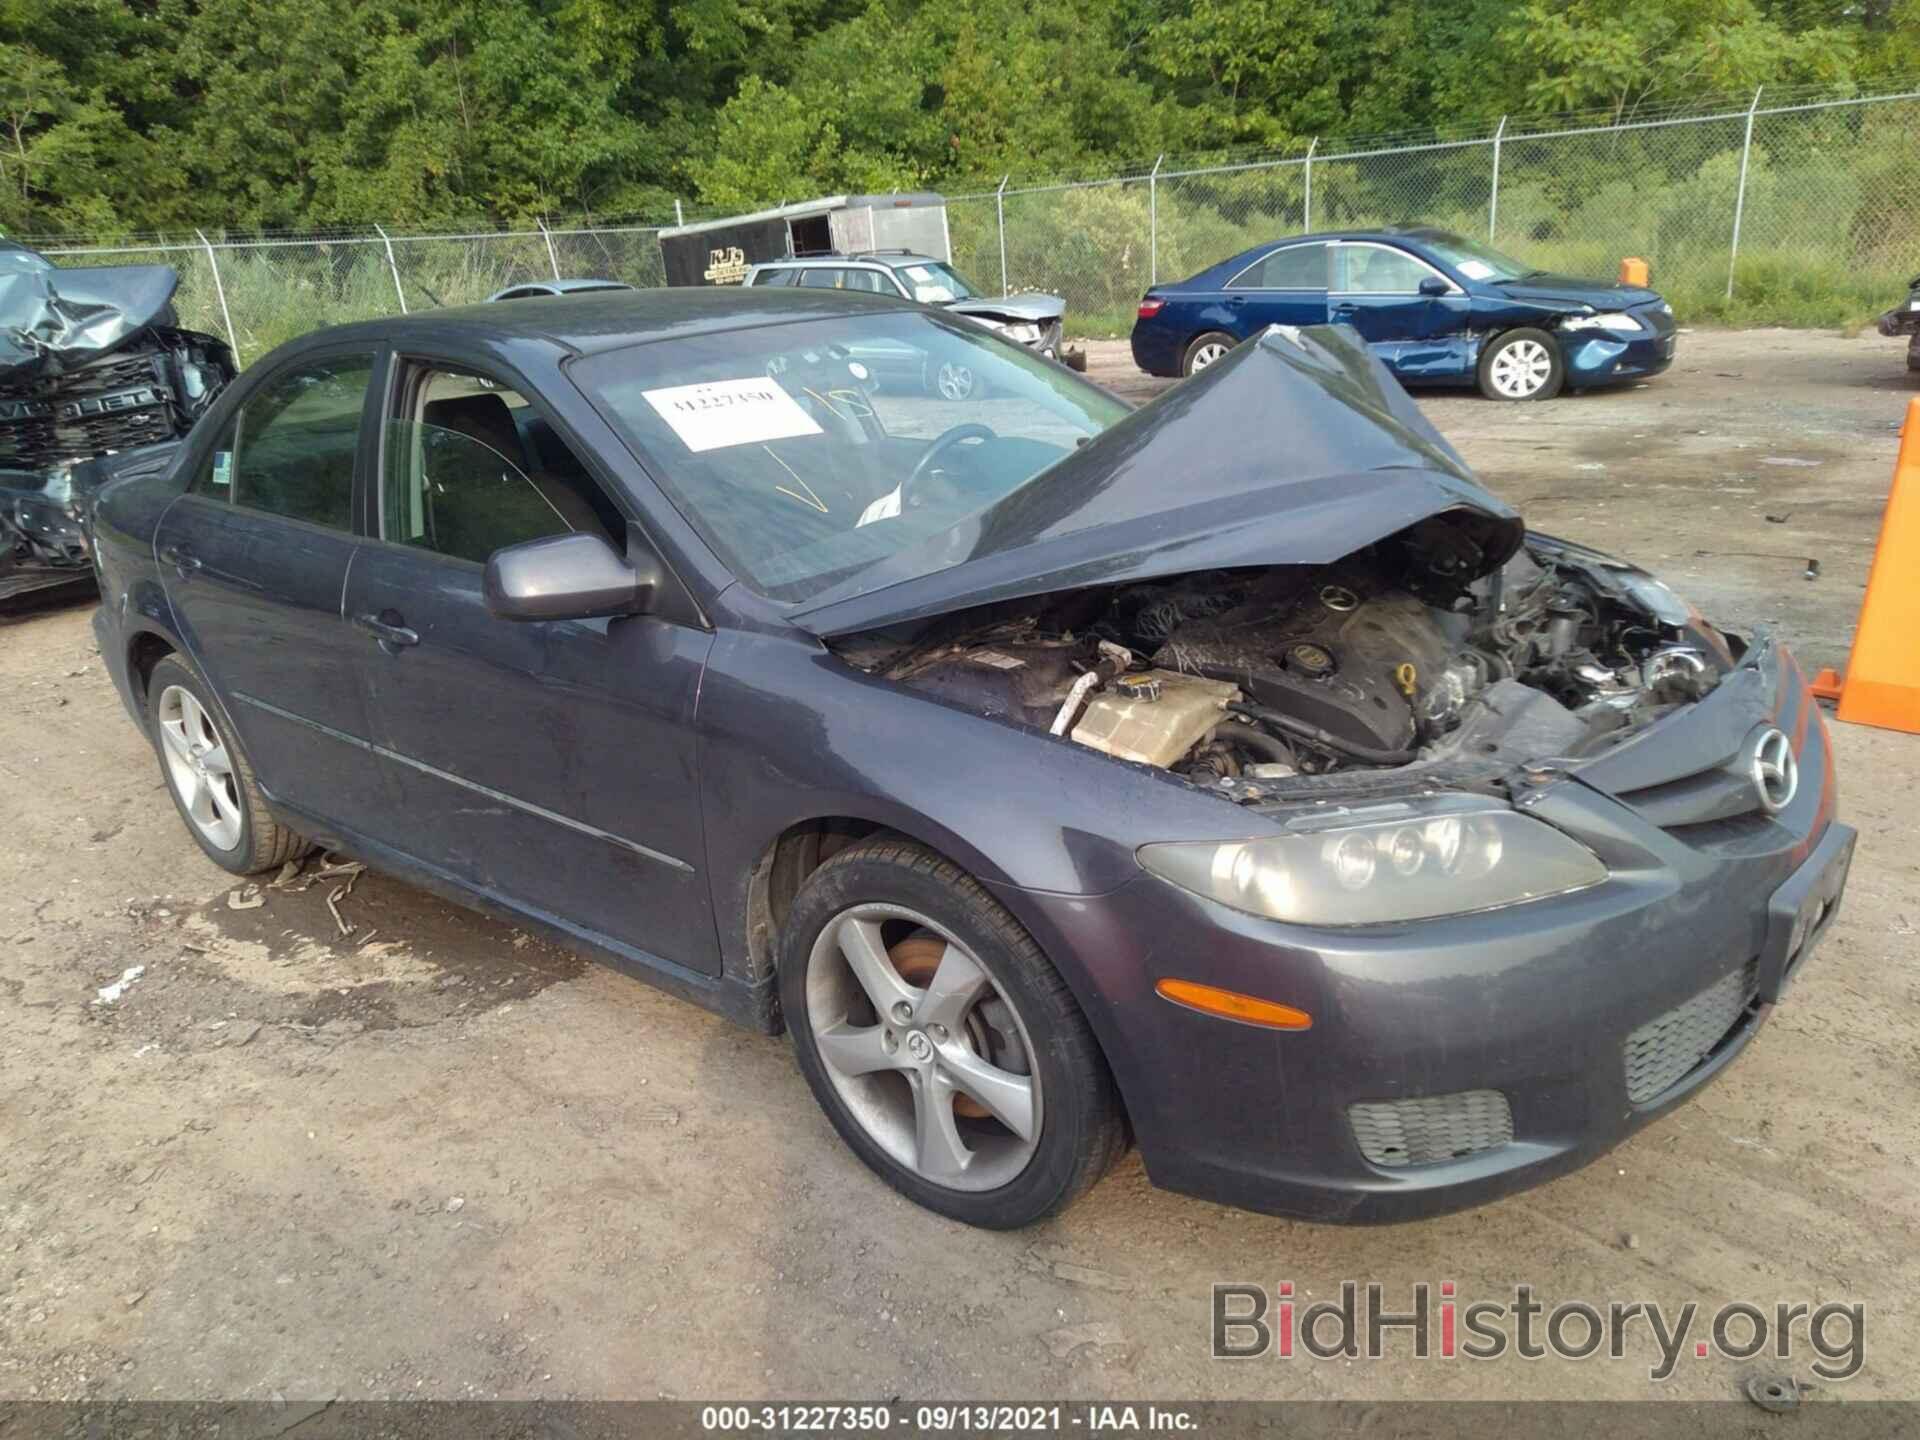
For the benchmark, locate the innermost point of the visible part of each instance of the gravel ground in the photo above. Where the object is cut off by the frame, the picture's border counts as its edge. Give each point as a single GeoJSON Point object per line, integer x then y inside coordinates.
{"type": "Point", "coordinates": [456, 1162]}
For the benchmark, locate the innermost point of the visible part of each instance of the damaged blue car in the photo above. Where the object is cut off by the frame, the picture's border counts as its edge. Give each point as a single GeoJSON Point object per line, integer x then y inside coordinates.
{"type": "Point", "coordinates": [1434, 306]}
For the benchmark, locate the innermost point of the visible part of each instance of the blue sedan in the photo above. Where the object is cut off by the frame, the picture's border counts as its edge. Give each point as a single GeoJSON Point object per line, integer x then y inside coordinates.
{"type": "Point", "coordinates": [1432, 305]}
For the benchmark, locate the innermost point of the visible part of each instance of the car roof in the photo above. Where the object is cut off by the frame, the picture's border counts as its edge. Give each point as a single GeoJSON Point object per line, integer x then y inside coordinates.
{"type": "Point", "coordinates": [587, 323]}
{"type": "Point", "coordinates": [1414, 234]}
{"type": "Point", "coordinates": [888, 258]}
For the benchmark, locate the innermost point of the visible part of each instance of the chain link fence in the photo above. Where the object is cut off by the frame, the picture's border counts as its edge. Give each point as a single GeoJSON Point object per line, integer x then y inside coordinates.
{"type": "Point", "coordinates": [1797, 212]}
{"type": "Point", "coordinates": [1800, 209]}
{"type": "Point", "coordinates": [260, 292]}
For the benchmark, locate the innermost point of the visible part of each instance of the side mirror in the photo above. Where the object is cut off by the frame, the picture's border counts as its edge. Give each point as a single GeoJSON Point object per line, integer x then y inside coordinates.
{"type": "Point", "coordinates": [565, 577]}
{"type": "Point", "coordinates": [1433, 285]}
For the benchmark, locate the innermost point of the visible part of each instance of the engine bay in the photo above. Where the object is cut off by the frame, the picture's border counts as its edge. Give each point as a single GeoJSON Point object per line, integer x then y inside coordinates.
{"type": "Point", "coordinates": [1260, 683]}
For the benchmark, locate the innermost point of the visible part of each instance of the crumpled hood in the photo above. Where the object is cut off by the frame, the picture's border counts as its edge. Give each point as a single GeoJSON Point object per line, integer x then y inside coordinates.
{"type": "Point", "coordinates": [1039, 308]}
{"type": "Point", "coordinates": [53, 319]}
{"type": "Point", "coordinates": [1568, 291]}
{"type": "Point", "coordinates": [1298, 449]}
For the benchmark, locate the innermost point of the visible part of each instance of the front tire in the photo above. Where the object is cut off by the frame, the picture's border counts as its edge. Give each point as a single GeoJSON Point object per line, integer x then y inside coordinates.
{"type": "Point", "coordinates": [1207, 349]}
{"type": "Point", "coordinates": [209, 777]}
{"type": "Point", "coordinates": [947, 1052]}
{"type": "Point", "coordinates": [1522, 364]}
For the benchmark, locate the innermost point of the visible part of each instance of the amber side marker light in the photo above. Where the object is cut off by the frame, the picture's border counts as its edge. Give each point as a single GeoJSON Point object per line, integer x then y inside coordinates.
{"type": "Point", "coordinates": [1231, 1005]}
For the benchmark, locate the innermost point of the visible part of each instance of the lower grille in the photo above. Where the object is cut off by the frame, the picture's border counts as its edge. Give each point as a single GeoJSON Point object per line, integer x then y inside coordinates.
{"type": "Point", "coordinates": [1431, 1129]}
{"type": "Point", "coordinates": [1664, 1050]}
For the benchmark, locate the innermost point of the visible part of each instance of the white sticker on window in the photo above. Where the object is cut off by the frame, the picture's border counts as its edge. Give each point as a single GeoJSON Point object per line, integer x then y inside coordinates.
{"type": "Point", "coordinates": [1476, 269]}
{"type": "Point", "coordinates": [223, 467]}
{"type": "Point", "coordinates": [730, 412]}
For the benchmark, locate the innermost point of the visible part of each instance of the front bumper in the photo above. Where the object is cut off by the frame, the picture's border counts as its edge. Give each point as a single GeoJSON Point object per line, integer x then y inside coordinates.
{"type": "Point", "coordinates": [41, 542]}
{"type": "Point", "coordinates": [1547, 1004]}
{"type": "Point", "coordinates": [1598, 358]}
{"type": "Point", "coordinates": [1904, 320]}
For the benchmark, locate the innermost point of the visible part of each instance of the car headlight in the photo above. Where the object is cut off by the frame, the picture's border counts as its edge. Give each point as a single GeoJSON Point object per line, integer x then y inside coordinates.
{"type": "Point", "coordinates": [1025, 334]}
{"type": "Point", "coordinates": [1416, 866]}
{"type": "Point", "coordinates": [1661, 603]}
{"type": "Point", "coordinates": [1617, 320]}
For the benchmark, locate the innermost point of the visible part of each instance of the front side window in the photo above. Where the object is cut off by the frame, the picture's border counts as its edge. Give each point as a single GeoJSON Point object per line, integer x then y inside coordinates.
{"type": "Point", "coordinates": [291, 449]}
{"type": "Point", "coordinates": [806, 453]}
{"type": "Point", "coordinates": [1376, 270]}
{"type": "Point", "coordinates": [1297, 267]}
{"type": "Point", "coordinates": [472, 468]}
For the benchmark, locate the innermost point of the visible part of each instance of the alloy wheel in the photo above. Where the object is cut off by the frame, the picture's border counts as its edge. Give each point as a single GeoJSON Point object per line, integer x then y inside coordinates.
{"type": "Point", "coordinates": [1208, 353]}
{"type": "Point", "coordinates": [926, 1051]}
{"type": "Point", "coordinates": [199, 768]}
{"type": "Point", "coordinates": [955, 382]}
{"type": "Point", "coordinates": [1521, 369]}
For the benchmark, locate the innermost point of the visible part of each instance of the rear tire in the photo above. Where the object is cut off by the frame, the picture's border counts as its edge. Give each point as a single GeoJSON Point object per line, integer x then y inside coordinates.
{"type": "Point", "coordinates": [901, 1087]}
{"type": "Point", "coordinates": [1207, 349]}
{"type": "Point", "coordinates": [209, 777]}
{"type": "Point", "coordinates": [1522, 364]}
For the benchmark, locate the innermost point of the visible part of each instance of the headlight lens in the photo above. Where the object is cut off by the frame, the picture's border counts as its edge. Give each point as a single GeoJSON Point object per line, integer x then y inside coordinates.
{"type": "Point", "coordinates": [1415, 866]}
{"type": "Point", "coordinates": [1613, 320]}
{"type": "Point", "coordinates": [1025, 334]}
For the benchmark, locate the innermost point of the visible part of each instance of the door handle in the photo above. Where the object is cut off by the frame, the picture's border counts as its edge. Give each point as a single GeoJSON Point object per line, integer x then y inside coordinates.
{"type": "Point", "coordinates": [1236, 300]}
{"type": "Point", "coordinates": [1346, 309]}
{"type": "Point", "coordinates": [183, 560]}
{"type": "Point", "coordinates": [392, 635]}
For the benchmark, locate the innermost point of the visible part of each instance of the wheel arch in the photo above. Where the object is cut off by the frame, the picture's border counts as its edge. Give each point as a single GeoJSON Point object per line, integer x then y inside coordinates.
{"type": "Point", "coordinates": [146, 649]}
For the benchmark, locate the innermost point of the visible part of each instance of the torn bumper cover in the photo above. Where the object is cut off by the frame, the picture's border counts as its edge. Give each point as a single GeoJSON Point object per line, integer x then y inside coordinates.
{"type": "Point", "coordinates": [1904, 319]}
{"type": "Point", "coordinates": [41, 540]}
{"type": "Point", "coordinates": [91, 364]}
{"type": "Point", "coordinates": [1035, 321]}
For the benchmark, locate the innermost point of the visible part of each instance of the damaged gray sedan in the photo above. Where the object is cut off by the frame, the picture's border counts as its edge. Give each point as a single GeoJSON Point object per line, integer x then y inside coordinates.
{"type": "Point", "coordinates": [1030, 319]}
{"type": "Point", "coordinates": [1234, 777]}
{"type": "Point", "coordinates": [92, 362]}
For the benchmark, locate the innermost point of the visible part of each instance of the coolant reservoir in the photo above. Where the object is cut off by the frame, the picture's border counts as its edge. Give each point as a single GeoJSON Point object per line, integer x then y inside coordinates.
{"type": "Point", "coordinates": [1154, 716]}
{"type": "Point", "coordinates": [1633, 271]}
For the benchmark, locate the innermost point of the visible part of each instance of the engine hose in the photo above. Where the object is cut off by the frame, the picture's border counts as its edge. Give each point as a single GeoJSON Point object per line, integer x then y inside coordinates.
{"type": "Point", "coordinates": [1247, 737]}
{"type": "Point", "coordinates": [1314, 735]}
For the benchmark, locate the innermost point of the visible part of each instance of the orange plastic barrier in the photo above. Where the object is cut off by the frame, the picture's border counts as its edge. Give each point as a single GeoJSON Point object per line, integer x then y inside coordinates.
{"type": "Point", "coordinates": [1633, 271]}
{"type": "Point", "coordinates": [1882, 683]}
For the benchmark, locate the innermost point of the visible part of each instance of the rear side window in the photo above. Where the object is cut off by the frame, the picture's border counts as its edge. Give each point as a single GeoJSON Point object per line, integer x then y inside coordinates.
{"type": "Point", "coordinates": [821, 278]}
{"type": "Point", "coordinates": [774, 277]}
{"type": "Point", "coordinates": [1298, 267]}
{"type": "Point", "coordinates": [291, 449]}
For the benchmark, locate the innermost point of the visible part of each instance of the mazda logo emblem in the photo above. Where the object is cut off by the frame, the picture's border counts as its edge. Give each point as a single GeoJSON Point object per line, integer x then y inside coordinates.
{"type": "Point", "coordinates": [1775, 772]}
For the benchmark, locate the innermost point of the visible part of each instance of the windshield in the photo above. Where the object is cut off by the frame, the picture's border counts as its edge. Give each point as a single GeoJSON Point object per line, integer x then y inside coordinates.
{"type": "Point", "coordinates": [806, 453]}
{"type": "Point", "coordinates": [932, 283]}
{"type": "Point", "coordinates": [1474, 260]}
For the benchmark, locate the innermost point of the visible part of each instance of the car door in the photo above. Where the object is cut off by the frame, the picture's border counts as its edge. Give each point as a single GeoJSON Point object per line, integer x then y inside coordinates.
{"type": "Point", "coordinates": [1377, 290]}
{"type": "Point", "coordinates": [254, 557]}
{"type": "Point", "coordinates": [548, 765]}
{"type": "Point", "coordinates": [1286, 286]}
